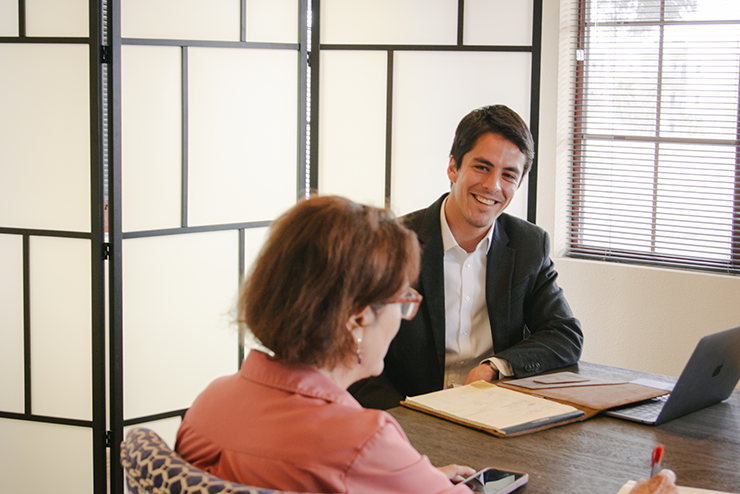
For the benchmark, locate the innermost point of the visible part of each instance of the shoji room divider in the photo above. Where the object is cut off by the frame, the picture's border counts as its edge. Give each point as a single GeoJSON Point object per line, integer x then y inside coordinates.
{"type": "Point", "coordinates": [146, 146]}
{"type": "Point", "coordinates": [52, 284]}
{"type": "Point", "coordinates": [209, 104]}
{"type": "Point", "coordinates": [397, 77]}
{"type": "Point", "coordinates": [186, 122]}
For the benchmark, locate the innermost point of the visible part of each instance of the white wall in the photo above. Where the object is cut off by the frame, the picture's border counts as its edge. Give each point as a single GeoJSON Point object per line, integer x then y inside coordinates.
{"type": "Point", "coordinates": [642, 318]}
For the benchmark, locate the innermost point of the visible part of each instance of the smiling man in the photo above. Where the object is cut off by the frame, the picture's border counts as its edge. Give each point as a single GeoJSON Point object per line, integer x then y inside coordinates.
{"type": "Point", "coordinates": [491, 304]}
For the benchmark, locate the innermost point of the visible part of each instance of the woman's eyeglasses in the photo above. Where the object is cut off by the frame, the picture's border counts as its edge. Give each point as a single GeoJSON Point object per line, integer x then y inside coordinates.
{"type": "Point", "coordinates": [410, 302]}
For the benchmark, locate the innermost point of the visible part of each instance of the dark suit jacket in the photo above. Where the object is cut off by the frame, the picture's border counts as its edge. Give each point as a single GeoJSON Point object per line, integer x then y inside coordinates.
{"type": "Point", "coordinates": [532, 325]}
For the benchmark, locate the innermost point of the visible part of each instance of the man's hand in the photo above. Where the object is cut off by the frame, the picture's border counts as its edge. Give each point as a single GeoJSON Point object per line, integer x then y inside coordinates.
{"type": "Point", "coordinates": [483, 372]}
{"type": "Point", "coordinates": [663, 482]}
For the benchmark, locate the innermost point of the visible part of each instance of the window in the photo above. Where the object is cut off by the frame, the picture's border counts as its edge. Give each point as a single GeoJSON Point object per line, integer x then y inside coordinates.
{"type": "Point", "coordinates": [654, 174]}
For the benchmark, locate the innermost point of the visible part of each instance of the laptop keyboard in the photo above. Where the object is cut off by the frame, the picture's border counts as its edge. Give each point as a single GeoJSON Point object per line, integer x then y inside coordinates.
{"type": "Point", "coordinates": [648, 410]}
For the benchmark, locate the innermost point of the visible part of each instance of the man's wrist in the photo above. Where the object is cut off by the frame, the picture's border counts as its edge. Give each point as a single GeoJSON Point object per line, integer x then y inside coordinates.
{"type": "Point", "coordinates": [503, 367]}
{"type": "Point", "coordinates": [493, 368]}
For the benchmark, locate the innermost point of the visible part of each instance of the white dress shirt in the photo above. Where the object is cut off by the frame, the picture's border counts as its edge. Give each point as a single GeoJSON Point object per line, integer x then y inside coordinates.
{"type": "Point", "coordinates": [468, 340]}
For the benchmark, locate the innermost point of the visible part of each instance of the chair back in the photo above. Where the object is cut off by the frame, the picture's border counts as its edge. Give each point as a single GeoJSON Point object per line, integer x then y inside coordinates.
{"type": "Point", "coordinates": [151, 467]}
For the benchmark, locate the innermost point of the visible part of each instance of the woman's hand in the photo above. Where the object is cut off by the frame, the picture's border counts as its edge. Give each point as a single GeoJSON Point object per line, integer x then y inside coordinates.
{"type": "Point", "coordinates": [457, 473]}
{"type": "Point", "coordinates": [663, 482]}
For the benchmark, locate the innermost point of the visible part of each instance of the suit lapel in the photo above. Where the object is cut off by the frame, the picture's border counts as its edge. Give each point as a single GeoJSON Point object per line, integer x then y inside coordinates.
{"type": "Point", "coordinates": [431, 276]}
{"type": "Point", "coordinates": [499, 273]}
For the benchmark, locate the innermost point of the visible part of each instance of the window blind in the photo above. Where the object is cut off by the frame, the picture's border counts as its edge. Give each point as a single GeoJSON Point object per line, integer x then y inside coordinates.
{"type": "Point", "coordinates": [654, 175]}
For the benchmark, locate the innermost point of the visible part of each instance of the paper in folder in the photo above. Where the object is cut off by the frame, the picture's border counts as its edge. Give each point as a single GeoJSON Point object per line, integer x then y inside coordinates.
{"type": "Point", "coordinates": [493, 409]}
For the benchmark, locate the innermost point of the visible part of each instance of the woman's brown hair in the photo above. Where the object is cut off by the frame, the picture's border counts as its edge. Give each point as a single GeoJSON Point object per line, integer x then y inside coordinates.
{"type": "Point", "coordinates": [325, 260]}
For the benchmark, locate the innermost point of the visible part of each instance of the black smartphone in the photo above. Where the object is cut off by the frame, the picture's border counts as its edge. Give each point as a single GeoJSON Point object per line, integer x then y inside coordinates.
{"type": "Point", "coordinates": [494, 481]}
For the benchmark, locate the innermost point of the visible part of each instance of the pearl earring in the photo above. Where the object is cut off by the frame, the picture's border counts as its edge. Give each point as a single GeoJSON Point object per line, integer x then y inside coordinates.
{"type": "Point", "coordinates": [359, 352]}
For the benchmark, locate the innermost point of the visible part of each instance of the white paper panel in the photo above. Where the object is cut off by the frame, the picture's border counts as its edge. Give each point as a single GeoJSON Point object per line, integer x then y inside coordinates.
{"type": "Point", "coordinates": [44, 137]}
{"type": "Point", "coordinates": [63, 18]}
{"type": "Point", "coordinates": [498, 22]}
{"type": "Point", "coordinates": [254, 239]}
{"type": "Point", "coordinates": [352, 125]}
{"type": "Point", "coordinates": [152, 137]}
{"type": "Point", "coordinates": [61, 327]}
{"type": "Point", "coordinates": [11, 322]}
{"type": "Point", "coordinates": [181, 19]}
{"type": "Point", "coordinates": [273, 21]}
{"type": "Point", "coordinates": [243, 134]}
{"type": "Point", "coordinates": [433, 92]}
{"type": "Point", "coordinates": [8, 17]}
{"type": "Point", "coordinates": [416, 22]}
{"type": "Point", "coordinates": [37, 457]}
{"type": "Point", "coordinates": [179, 300]}
{"type": "Point", "coordinates": [166, 429]}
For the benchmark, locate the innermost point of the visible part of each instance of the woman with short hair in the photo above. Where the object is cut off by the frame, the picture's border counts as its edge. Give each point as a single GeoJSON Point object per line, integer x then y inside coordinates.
{"type": "Point", "coordinates": [326, 296]}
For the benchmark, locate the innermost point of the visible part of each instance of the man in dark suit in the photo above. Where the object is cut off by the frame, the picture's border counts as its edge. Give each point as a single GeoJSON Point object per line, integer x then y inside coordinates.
{"type": "Point", "coordinates": [491, 304]}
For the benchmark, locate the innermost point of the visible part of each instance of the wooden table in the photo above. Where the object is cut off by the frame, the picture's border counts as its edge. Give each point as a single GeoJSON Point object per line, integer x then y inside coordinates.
{"type": "Point", "coordinates": [598, 455]}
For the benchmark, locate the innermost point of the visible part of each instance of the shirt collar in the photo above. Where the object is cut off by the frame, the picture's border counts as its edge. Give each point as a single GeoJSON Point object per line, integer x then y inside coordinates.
{"type": "Point", "coordinates": [448, 239]}
{"type": "Point", "coordinates": [297, 379]}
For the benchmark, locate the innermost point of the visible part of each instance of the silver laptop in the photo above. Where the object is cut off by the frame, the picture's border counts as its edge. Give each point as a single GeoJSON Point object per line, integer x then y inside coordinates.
{"type": "Point", "coordinates": [709, 377]}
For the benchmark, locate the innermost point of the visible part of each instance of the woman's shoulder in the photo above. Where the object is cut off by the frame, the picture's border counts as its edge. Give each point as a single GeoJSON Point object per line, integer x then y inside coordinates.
{"type": "Point", "coordinates": [383, 428]}
{"type": "Point", "coordinates": [373, 420]}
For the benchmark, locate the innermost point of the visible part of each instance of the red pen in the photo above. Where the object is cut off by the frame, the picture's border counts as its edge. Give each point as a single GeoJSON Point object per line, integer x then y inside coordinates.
{"type": "Point", "coordinates": [656, 458]}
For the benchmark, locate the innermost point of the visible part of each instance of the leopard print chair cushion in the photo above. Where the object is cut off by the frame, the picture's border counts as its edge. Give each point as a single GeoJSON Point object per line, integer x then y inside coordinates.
{"type": "Point", "coordinates": [151, 467]}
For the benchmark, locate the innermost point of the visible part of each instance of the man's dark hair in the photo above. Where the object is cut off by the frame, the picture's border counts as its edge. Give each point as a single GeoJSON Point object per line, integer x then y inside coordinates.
{"type": "Point", "coordinates": [497, 119]}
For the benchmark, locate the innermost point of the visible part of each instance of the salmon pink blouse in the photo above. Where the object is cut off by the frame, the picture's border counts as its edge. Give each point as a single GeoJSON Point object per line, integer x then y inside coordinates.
{"type": "Point", "coordinates": [291, 428]}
